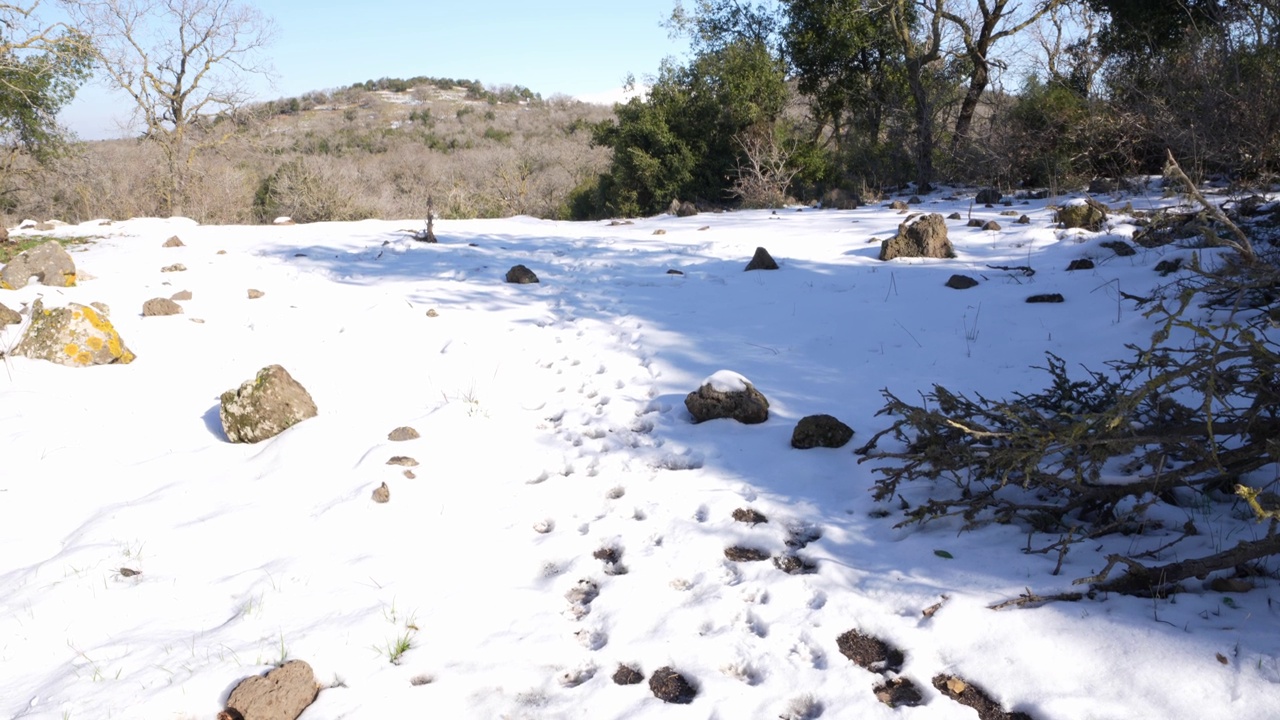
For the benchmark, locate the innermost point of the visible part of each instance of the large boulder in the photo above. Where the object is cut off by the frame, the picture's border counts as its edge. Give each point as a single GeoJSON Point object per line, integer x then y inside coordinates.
{"type": "Point", "coordinates": [265, 406]}
{"type": "Point", "coordinates": [727, 394]}
{"type": "Point", "coordinates": [1087, 213]}
{"type": "Point", "coordinates": [521, 275]}
{"type": "Point", "coordinates": [281, 694]}
{"type": "Point", "coordinates": [75, 336]}
{"type": "Point", "coordinates": [925, 236]}
{"type": "Point", "coordinates": [48, 262]}
{"type": "Point", "coordinates": [988, 196]}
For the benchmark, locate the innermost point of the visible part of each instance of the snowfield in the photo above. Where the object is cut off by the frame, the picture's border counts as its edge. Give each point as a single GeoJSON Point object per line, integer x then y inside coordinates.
{"type": "Point", "coordinates": [556, 461]}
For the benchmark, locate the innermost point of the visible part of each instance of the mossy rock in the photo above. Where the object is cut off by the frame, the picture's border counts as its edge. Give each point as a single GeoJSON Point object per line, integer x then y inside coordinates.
{"type": "Point", "coordinates": [265, 406]}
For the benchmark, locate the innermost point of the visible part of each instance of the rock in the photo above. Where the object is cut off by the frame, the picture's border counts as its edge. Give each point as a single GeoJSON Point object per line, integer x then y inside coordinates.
{"type": "Point", "coordinates": [838, 199]}
{"type": "Point", "coordinates": [659, 231]}
{"type": "Point", "coordinates": [281, 694]}
{"type": "Point", "coordinates": [75, 336]}
{"type": "Point", "coordinates": [988, 196]}
{"type": "Point", "coordinates": [762, 260]}
{"type": "Point", "coordinates": [820, 431]}
{"type": "Point", "coordinates": [955, 216]}
{"type": "Point", "coordinates": [402, 433]}
{"type": "Point", "coordinates": [403, 461]}
{"type": "Point", "coordinates": [48, 262]}
{"type": "Point", "coordinates": [991, 225]}
{"type": "Point", "coordinates": [739, 401]}
{"type": "Point", "coordinates": [750, 516]}
{"type": "Point", "coordinates": [181, 295]}
{"type": "Point", "coordinates": [1046, 298]}
{"type": "Point", "coordinates": [254, 294]}
{"type": "Point", "coordinates": [961, 282]}
{"type": "Point", "coordinates": [1088, 214]}
{"type": "Point", "coordinates": [926, 236]}
{"type": "Point", "coordinates": [673, 271]}
{"type": "Point", "coordinates": [670, 686]}
{"type": "Point", "coordinates": [974, 222]}
{"type": "Point", "coordinates": [683, 209]}
{"type": "Point", "coordinates": [432, 313]}
{"type": "Point", "coordinates": [9, 316]}
{"type": "Point", "coordinates": [913, 200]}
{"type": "Point", "coordinates": [521, 275]}
{"type": "Point", "coordinates": [627, 675]}
{"type": "Point", "coordinates": [176, 267]}
{"type": "Point", "coordinates": [870, 652]}
{"type": "Point", "coordinates": [1023, 220]}
{"type": "Point", "coordinates": [898, 205]}
{"type": "Point", "coordinates": [1103, 186]}
{"type": "Point", "coordinates": [1080, 264]}
{"type": "Point", "coordinates": [4, 234]}
{"type": "Point", "coordinates": [174, 241]}
{"type": "Point", "coordinates": [381, 494]}
{"type": "Point", "coordinates": [1009, 213]}
{"type": "Point", "coordinates": [1165, 267]}
{"type": "Point", "coordinates": [160, 306]}
{"type": "Point", "coordinates": [265, 406]}
{"type": "Point", "coordinates": [1120, 248]}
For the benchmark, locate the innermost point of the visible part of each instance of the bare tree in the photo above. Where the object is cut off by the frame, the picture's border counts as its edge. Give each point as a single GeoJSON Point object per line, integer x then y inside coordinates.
{"type": "Point", "coordinates": [185, 64]}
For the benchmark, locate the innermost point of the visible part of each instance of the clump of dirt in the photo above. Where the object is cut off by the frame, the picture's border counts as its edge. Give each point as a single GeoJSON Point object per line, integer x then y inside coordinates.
{"type": "Point", "coordinates": [972, 696]}
{"type": "Point", "coordinates": [898, 692]}
{"type": "Point", "coordinates": [794, 564]}
{"type": "Point", "coordinates": [738, 553]}
{"type": "Point", "coordinates": [749, 515]}
{"type": "Point", "coordinates": [670, 686]}
{"type": "Point", "coordinates": [870, 652]}
{"type": "Point", "coordinates": [627, 675]}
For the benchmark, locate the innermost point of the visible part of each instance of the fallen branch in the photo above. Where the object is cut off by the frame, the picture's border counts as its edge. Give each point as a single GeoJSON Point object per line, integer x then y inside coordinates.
{"type": "Point", "coordinates": [1160, 580]}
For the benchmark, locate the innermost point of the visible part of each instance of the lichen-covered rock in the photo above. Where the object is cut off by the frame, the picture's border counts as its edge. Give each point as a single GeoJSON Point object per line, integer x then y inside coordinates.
{"type": "Point", "coordinates": [174, 241]}
{"type": "Point", "coordinates": [925, 236]}
{"type": "Point", "coordinates": [281, 694]}
{"type": "Point", "coordinates": [160, 306]}
{"type": "Point", "coordinates": [820, 431]}
{"type": "Point", "coordinates": [265, 406]}
{"type": "Point", "coordinates": [762, 260]}
{"type": "Point", "coordinates": [75, 336]}
{"type": "Point", "coordinates": [1088, 214]}
{"type": "Point", "coordinates": [48, 262]}
{"type": "Point", "coordinates": [727, 395]}
{"type": "Point", "coordinates": [9, 316]}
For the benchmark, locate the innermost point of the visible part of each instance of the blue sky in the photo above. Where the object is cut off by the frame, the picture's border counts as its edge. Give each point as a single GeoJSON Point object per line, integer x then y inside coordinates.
{"type": "Point", "coordinates": [574, 47]}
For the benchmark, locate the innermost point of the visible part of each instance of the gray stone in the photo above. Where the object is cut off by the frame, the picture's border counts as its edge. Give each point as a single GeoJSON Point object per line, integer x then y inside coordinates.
{"type": "Point", "coordinates": [402, 433]}
{"type": "Point", "coordinates": [1046, 298]}
{"type": "Point", "coordinates": [176, 267]}
{"type": "Point", "coordinates": [1080, 264]}
{"type": "Point", "coordinates": [820, 431]}
{"type": "Point", "coordinates": [988, 196]}
{"type": "Point", "coordinates": [762, 260]}
{"type": "Point", "coordinates": [9, 316]}
{"type": "Point", "coordinates": [924, 237]}
{"type": "Point", "coordinates": [265, 406]}
{"type": "Point", "coordinates": [181, 295]}
{"type": "Point", "coordinates": [683, 209]}
{"type": "Point", "coordinates": [747, 406]}
{"type": "Point", "coordinates": [991, 225]}
{"type": "Point", "coordinates": [521, 275]}
{"type": "Point", "coordinates": [160, 306]}
{"type": "Point", "coordinates": [48, 262]}
{"type": "Point", "coordinates": [75, 336]}
{"type": "Point", "coordinates": [174, 241]}
{"type": "Point", "coordinates": [961, 282]}
{"type": "Point", "coordinates": [281, 694]}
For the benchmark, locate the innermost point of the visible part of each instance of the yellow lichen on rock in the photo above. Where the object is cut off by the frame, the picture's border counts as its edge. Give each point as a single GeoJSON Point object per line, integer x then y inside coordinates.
{"type": "Point", "coordinates": [71, 349]}
{"type": "Point", "coordinates": [94, 343]}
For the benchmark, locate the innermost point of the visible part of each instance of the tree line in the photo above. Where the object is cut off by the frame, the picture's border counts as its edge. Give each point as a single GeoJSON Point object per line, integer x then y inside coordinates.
{"type": "Point", "coordinates": [799, 97]}
{"type": "Point", "coordinates": [778, 100]}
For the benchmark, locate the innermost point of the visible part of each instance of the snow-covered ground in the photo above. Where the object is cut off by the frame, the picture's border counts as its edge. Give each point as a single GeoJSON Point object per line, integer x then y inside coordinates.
{"type": "Point", "coordinates": [553, 427]}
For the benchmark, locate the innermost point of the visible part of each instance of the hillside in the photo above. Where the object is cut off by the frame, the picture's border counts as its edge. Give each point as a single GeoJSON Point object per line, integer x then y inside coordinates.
{"type": "Point", "coordinates": [347, 154]}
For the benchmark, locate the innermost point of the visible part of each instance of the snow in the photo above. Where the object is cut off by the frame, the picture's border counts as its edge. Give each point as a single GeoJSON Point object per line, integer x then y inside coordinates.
{"type": "Point", "coordinates": [726, 381]}
{"type": "Point", "coordinates": [552, 427]}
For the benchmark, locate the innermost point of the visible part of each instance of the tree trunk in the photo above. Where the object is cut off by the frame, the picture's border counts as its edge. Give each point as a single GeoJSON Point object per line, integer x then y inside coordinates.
{"type": "Point", "coordinates": [924, 126]}
{"type": "Point", "coordinates": [977, 85]}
